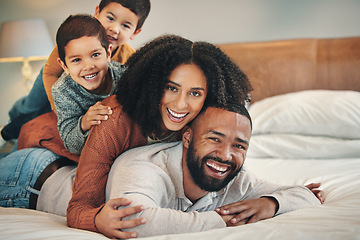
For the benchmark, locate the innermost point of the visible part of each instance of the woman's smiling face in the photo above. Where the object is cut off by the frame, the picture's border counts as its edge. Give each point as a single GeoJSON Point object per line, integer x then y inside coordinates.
{"type": "Point", "coordinates": [184, 96]}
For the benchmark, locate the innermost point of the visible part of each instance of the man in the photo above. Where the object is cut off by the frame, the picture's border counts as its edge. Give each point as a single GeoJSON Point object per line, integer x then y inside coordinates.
{"type": "Point", "coordinates": [199, 184]}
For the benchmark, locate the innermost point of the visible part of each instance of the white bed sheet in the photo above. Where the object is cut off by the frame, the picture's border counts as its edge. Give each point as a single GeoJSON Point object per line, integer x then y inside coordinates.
{"type": "Point", "coordinates": [337, 218]}
{"type": "Point", "coordinates": [298, 154]}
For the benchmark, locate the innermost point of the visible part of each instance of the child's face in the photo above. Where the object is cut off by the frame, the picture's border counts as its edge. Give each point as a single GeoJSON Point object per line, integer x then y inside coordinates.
{"type": "Point", "coordinates": [119, 22]}
{"type": "Point", "coordinates": [87, 63]}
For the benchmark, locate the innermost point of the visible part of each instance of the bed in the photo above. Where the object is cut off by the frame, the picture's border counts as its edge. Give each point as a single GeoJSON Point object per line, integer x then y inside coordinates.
{"type": "Point", "coordinates": [306, 128]}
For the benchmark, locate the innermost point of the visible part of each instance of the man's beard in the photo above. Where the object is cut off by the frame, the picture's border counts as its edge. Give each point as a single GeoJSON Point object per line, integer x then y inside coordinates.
{"type": "Point", "coordinates": [197, 171]}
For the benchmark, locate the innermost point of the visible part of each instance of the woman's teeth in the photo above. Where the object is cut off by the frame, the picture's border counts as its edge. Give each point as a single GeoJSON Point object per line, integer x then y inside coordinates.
{"type": "Point", "coordinates": [176, 115]}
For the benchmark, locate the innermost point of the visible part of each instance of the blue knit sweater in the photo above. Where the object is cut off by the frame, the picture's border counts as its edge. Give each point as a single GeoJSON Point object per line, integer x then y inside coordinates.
{"type": "Point", "coordinates": [72, 101]}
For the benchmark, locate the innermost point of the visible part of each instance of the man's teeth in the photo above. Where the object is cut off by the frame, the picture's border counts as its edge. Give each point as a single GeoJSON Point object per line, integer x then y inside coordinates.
{"type": "Point", "coordinates": [217, 167]}
{"type": "Point", "coordinates": [88, 77]}
{"type": "Point", "coordinates": [177, 115]}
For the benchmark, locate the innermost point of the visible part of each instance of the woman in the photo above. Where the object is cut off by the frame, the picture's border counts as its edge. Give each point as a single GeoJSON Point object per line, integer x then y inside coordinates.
{"type": "Point", "coordinates": [165, 86]}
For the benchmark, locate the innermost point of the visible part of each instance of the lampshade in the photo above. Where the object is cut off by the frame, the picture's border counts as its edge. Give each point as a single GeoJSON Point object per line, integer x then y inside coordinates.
{"type": "Point", "coordinates": [25, 38]}
{"type": "Point", "coordinates": [25, 41]}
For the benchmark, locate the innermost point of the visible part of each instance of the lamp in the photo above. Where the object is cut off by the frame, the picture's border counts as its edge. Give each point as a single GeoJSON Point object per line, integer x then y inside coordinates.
{"type": "Point", "coordinates": [25, 41]}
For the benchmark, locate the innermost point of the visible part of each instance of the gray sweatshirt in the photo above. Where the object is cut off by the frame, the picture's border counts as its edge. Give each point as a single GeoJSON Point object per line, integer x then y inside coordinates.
{"type": "Point", "coordinates": [152, 176]}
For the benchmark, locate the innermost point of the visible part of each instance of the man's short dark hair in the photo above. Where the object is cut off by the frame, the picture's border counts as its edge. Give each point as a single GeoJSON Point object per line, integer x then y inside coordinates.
{"type": "Point", "coordinates": [235, 107]}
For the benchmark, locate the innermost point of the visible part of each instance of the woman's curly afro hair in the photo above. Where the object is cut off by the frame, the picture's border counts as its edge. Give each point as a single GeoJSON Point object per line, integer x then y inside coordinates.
{"type": "Point", "coordinates": [143, 83]}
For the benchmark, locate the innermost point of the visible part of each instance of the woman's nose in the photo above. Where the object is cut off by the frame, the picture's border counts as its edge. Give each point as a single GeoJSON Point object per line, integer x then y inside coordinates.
{"type": "Point", "coordinates": [181, 102]}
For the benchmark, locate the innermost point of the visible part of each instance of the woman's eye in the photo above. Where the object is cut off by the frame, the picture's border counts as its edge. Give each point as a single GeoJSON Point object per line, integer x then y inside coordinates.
{"type": "Point", "coordinates": [172, 88]}
{"type": "Point", "coordinates": [195, 93]}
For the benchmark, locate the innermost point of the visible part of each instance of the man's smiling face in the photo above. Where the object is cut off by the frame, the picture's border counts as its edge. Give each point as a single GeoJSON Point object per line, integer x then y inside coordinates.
{"type": "Point", "coordinates": [217, 151]}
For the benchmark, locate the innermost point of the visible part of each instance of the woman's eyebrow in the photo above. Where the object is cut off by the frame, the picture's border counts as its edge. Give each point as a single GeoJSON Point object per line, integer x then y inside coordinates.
{"type": "Point", "coordinates": [198, 88]}
{"type": "Point", "coordinates": [169, 81]}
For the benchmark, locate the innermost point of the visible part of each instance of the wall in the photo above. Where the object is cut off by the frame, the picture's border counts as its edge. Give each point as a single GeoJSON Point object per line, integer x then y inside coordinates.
{"type": "Point", "coordinates": [210, 20]}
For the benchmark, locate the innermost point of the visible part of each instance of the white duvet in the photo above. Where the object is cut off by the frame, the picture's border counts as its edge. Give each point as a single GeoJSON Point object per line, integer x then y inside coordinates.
{"type": "Point", "coordinates": [298, 153]}
{"type": "Point", "coordinates": [337, 218]}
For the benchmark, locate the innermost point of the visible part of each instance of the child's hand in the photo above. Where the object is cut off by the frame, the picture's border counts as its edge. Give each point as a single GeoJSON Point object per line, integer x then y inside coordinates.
{"type": "Point", "coordinates": [249, 211]}
{"type": "Point", "coordinates": [318, 193]}
{"type": "Point", "coordinates": [109, 220]}
{"type": "Point", "coordinates": [94, 116]}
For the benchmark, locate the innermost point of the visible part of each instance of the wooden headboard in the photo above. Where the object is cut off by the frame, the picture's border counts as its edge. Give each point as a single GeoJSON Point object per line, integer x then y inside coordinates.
{"type": "Point", "coordinates": [278, 67]}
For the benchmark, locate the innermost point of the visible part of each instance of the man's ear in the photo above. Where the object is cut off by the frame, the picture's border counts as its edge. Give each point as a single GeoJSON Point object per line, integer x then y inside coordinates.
{"type": "Point", "coordinates": [135, 34]}
{"type": "Point", "coordinates": [64, 67]}
{"type": "Point", "coordinates": [187, 136]}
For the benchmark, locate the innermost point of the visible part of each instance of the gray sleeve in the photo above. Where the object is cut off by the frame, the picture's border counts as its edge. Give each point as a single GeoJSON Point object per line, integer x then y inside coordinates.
{"type": "Point", "coordinates": [290, 198]}
{"type": "Point", "coordinates": [69, 114]}
{"type": "Point", "coordinates": [148, 185]}
{"type": "Point", "coordinates": [161, 220]}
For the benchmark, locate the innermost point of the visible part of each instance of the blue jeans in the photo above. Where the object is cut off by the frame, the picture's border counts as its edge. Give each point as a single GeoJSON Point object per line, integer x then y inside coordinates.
{"type": "Point", "coordinates": [33, 102]}
{"type": "Point", "coordinates": [19, 172]}
{"type": "Point", "coordinates": [27, 108]}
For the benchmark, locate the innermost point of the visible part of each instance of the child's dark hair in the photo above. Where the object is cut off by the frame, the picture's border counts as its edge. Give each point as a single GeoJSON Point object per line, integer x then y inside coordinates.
{"type": "Point", "coordinates": [78, 26]}
{"type": "Point", "coordinates": [143, 83]}
{"type": "Point", "coordinates": [140, 7]}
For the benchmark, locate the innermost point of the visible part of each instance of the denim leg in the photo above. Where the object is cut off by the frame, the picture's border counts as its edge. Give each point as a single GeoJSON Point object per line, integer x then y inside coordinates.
{"type": "Point", "coordinates": [26, 109]}
{"type": "Point", "coordinates": [33, 102]}
{"type": "Point", "coordinates": [19, 172]}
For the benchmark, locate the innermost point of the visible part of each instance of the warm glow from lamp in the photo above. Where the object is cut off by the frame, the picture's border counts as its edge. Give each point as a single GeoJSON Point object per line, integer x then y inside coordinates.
{"type": "Point", "coordinates": [25, 41]}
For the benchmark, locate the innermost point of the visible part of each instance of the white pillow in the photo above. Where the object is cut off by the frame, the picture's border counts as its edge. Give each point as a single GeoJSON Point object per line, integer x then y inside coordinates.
{"type": "Point", "coordinates": [292, 146]}
{"type": "Point", "coordinates": [329, 113]}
